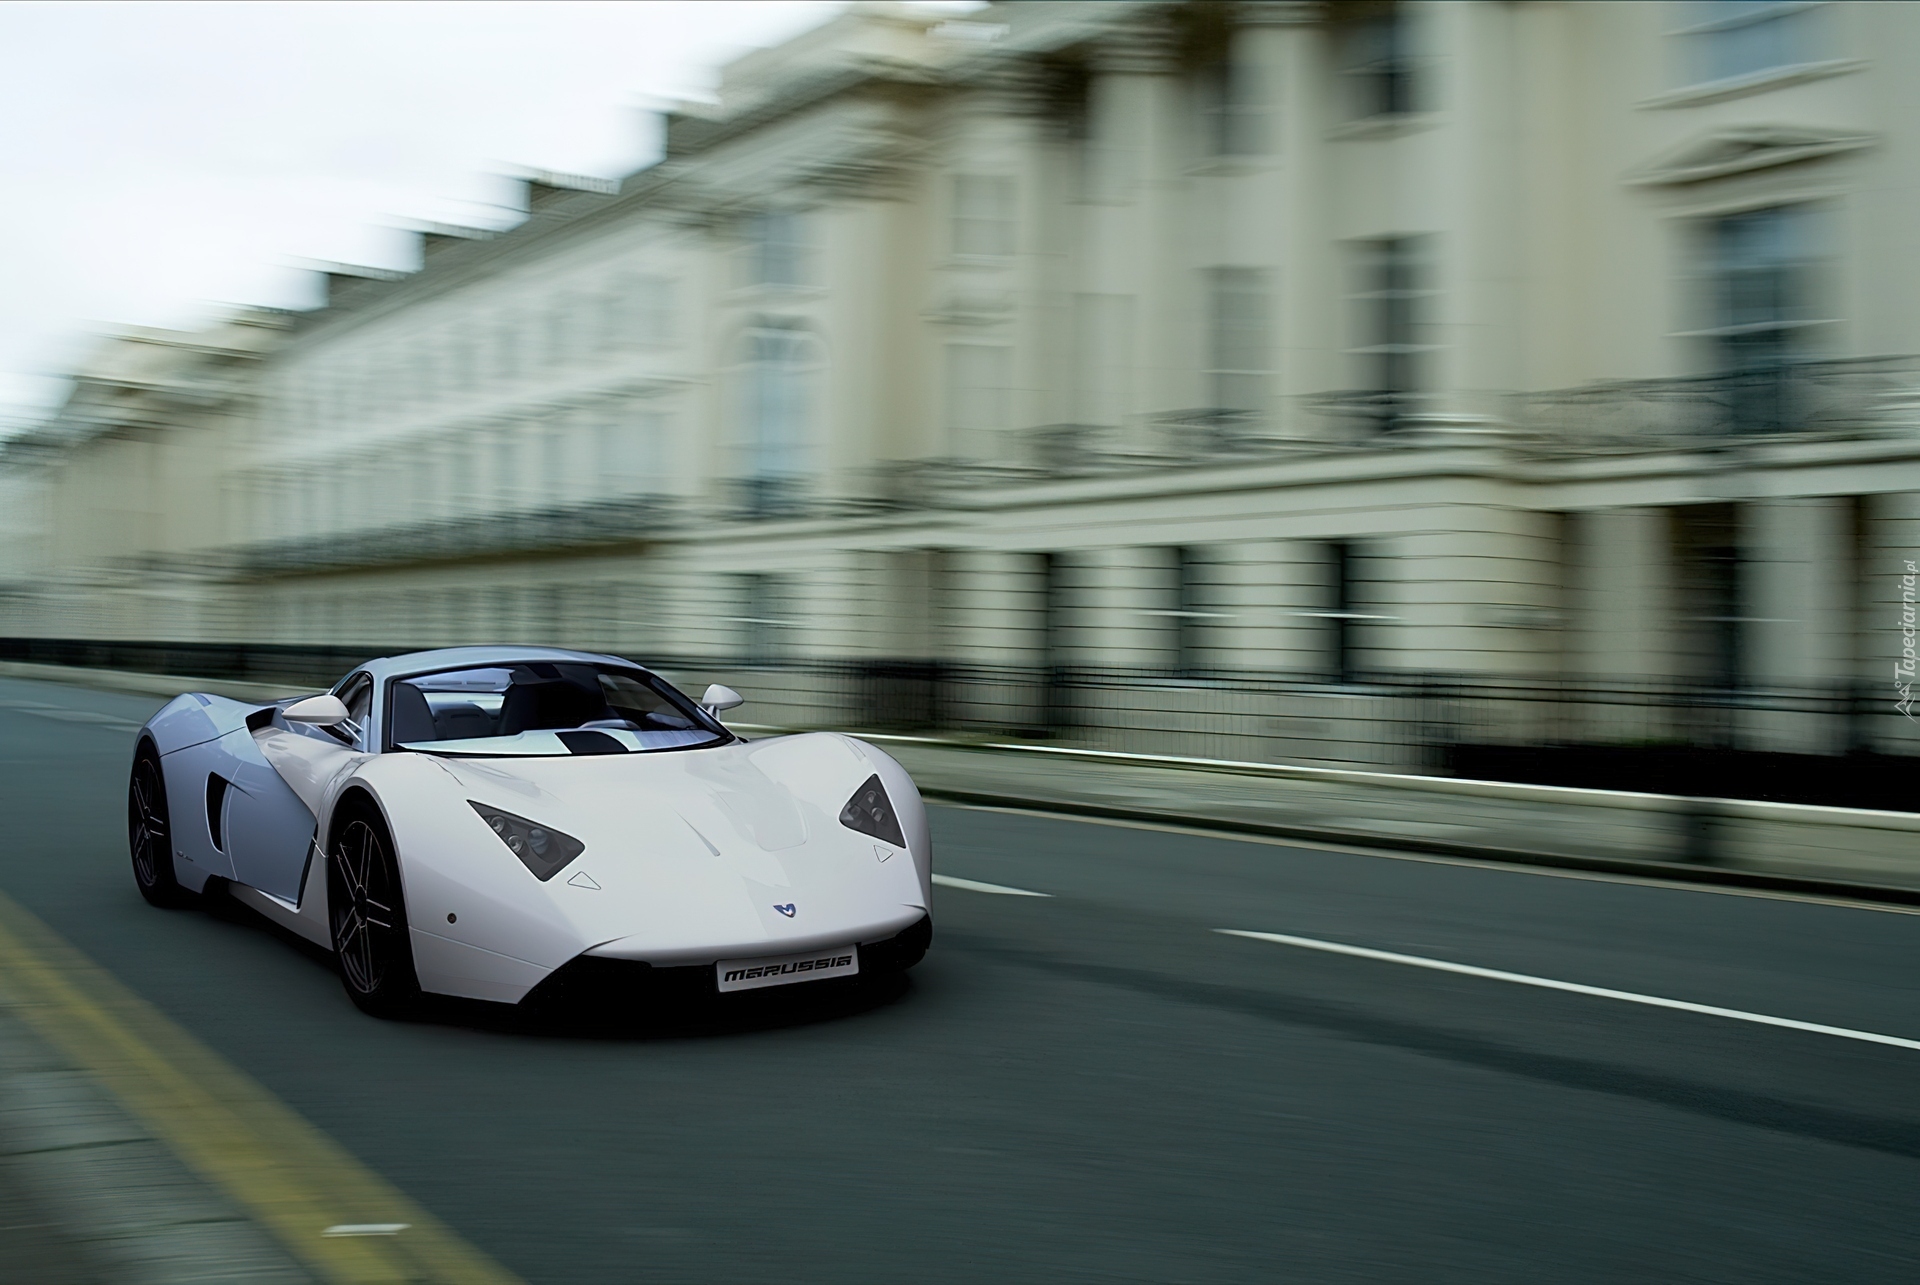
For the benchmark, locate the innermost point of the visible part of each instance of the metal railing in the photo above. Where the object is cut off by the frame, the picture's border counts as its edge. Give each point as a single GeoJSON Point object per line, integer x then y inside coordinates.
{"type": "Point", "coordinates": [606, 521]}
{"type": "Point", "coordinates": [1853, 395]}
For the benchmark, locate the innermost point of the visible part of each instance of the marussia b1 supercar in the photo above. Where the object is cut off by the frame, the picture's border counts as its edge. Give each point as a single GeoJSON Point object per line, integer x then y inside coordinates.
{"type": "Point", "coordinates": [497, 823]}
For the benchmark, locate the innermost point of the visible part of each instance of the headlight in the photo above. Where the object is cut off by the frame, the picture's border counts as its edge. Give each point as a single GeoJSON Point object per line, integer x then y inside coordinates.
{"type": "Point", "coordinates": [870, 811]}
{"type": "Point", "coordinates": [541, 849]}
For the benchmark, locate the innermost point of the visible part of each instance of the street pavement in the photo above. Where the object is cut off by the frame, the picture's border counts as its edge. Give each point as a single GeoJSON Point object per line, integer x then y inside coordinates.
{"type": "Point", "coordinates": [1095, 1084]}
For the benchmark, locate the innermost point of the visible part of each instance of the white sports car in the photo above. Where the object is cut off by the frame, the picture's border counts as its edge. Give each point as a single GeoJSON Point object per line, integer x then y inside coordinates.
{"type": "Point", "coordinates": [503, 822]}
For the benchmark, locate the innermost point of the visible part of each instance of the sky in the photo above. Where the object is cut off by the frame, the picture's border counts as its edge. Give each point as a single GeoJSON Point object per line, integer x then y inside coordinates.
{"type": "Point", "coordinates": [160, 160]}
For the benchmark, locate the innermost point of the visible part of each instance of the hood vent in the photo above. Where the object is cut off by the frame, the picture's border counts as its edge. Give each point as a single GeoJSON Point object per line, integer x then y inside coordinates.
{"type": "Point", "coordinates": [590, 742]}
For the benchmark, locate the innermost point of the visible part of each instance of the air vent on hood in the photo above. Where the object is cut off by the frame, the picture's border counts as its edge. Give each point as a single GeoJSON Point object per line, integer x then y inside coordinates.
{"type": "Point", "coordinates": [590, 742]}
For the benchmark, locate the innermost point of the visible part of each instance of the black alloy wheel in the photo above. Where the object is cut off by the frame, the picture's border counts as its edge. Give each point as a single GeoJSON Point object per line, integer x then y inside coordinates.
{"type": "Point", "coordinates": [367, 912]}
{"type": "Point", "coordinates": [149, 838]}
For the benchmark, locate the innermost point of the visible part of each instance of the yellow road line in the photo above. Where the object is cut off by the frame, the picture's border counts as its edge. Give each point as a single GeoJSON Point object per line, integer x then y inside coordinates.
{"type": "Point", "coordinates": [287, 1174]}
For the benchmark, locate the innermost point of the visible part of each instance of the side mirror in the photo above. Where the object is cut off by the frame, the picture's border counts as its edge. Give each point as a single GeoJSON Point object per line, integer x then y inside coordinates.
{"type": "Point", "coordinates": [719, 698]}
{"type": "Point", "coordinates": [321, 711]}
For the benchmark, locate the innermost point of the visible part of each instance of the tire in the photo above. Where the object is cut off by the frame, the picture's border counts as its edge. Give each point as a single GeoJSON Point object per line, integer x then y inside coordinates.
{"type": "Point", "coordinates": [367, 916]}
{"type": "Point", "coordinates": [149, 834]}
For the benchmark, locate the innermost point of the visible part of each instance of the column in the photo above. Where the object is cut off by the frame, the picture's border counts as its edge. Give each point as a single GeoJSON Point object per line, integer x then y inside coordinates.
{"type": "Point", "coordinates": [1266, 592]}
{"type": "Point", "coordinates": [1799, 602]}
{"type": "Point", "coordinates": [1622, 586]}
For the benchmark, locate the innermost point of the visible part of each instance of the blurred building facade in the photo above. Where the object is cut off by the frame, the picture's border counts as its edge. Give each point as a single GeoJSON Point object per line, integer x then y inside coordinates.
{"type": "Point", "coordinates": [1538, 340]}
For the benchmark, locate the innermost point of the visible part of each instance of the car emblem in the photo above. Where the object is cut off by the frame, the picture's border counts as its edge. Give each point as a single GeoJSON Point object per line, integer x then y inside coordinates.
{"type": "Point", "coordinates": [788, 910]}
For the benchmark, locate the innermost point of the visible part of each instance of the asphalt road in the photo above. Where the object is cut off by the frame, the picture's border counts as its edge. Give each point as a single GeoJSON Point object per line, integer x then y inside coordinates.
{"type": "Point", "coordinates": [1095, 1085]}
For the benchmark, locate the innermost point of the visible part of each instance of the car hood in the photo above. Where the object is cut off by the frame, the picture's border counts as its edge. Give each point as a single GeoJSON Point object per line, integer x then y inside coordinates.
{"type": "Point", "coordinates": [687, 848]}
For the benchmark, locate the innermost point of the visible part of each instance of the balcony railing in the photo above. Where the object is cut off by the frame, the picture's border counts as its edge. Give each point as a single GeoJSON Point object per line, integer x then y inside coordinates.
{"type": "Point", "coordinates": [1850, 396]}
{"type": "Point", "coordinates": [762, 499]}
{"type": "Point", "coordinates": [595, 522]}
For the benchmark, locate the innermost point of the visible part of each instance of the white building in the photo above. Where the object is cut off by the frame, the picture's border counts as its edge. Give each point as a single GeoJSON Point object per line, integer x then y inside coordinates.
{"type": "Point", "coordinates": [1535, 340]}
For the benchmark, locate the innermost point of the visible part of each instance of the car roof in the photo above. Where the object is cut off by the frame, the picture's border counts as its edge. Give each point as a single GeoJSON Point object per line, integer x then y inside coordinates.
{"type": "Point", "coordinates": [420, 662]}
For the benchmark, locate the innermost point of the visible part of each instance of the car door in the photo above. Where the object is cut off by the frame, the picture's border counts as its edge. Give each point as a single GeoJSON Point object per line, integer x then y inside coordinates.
{"type": "Point", "coordinates": [269, 829]}
{"type": "Point", "coordinates": [266, 828]}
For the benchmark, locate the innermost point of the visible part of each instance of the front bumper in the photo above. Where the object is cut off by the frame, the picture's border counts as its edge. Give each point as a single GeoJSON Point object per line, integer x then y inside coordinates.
{"type": "Point", "coordinates": [589, 979]}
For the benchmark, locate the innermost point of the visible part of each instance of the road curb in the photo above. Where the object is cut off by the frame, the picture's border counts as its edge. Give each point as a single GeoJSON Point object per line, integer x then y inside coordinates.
{"type": "Point", "coordinates": [113, 1189]}
{"type": "Point", "coordinates": [1664, 871]}
{"type": "Point", "coordinates": [286, 1179]}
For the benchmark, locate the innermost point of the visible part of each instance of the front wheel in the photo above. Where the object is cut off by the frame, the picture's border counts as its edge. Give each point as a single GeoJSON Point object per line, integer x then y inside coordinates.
{"type": "Point", "coordinates": [367, 912]}
{"type": "Point", "coordinates": [149, 837]}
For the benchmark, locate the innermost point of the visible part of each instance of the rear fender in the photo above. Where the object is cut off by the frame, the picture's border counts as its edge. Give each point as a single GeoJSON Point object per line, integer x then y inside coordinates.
{"type": "Point", "coordinates": [186, 773]}
{"type": "Point", "coordinates": [186, 731]}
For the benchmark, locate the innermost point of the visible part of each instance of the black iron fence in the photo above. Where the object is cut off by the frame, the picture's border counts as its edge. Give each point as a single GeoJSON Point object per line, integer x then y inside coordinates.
{"type": "Point", "coordinates": [1836, 743]}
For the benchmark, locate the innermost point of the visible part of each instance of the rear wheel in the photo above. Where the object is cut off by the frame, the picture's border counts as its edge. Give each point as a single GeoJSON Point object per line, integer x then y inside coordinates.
{"type": "Point", "coordinates": [367, 912]}
{"type": "Point", "coordinates": [149, 837]}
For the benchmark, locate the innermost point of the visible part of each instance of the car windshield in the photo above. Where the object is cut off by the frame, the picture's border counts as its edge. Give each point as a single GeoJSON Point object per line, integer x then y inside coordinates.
{"type": "Point", "coordinates": [545, 707]}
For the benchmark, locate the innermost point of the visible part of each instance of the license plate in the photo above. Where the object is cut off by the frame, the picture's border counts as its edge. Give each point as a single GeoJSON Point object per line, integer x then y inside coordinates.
{"type": "Point", "coordinates": [750, 974]}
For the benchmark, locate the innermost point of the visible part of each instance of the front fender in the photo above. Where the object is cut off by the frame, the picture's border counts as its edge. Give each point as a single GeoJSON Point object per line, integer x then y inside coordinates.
{"type": "Point", "coordinates": [480, 925]}
{"type": "Point", "coordinates": [827, 767]}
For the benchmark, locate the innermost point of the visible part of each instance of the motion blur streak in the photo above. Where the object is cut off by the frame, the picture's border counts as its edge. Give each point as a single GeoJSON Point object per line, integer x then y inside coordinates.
{"type": "Point", "coordinates": [300, 1185]}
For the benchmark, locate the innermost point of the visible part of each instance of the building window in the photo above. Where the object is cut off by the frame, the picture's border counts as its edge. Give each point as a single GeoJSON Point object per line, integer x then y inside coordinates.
{"type": "Point", "coordinates": [604, 328]}
{"type": "Point", "coordinates": [979, 398]}
{"type": "Point", "coordinates": [1373, 40]}
{"type": "Point", "coordinates": [1727, 39]}
{"type": "Point", "coordinates": [1232, 96]}
{"type": "Point", "coordinates": [983, 216]}
{"type": "Point", "coordinates": [1238, 348]}
{"type": "Point", "coordinates": [426, 372]}
{"type": "Point", "coordinates": [777, 388]}
{"type": "Point", "coordinates": [1762, 269]}
{"type": "Point", "coordinates": [777, 249]}
{"type": "Point", "coordinates": [1390, 307]}
{"type": "Point", "coordinates": [1103, 359]}
{"type": "Point", "coordinates": [461, 371]}
{"type": "Point", "coordinates": [650, 311]}
{"type": "Point", "coordinates": [764, 627]}
{"type": "Point", "coordinates": [629, 453]}
{"type": "Point", "coordinates": [560, 329]}
{"type": "Point", "coordinates": [508, 450]}
{"type": "Point", "coordinates": [508, 363]}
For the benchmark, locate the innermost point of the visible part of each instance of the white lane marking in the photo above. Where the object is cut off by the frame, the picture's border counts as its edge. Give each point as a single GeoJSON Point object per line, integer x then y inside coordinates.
{"type": "Point", "coordinates": [971, 885]}
{"type": "Point", "coordinates": [1548, 983]}
{"type": "Point", "coordinates": [366, 1229]}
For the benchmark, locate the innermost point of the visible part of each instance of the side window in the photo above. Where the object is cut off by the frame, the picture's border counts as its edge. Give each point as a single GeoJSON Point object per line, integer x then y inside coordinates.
{"type": "Point", "coordinates": [358, 698]}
